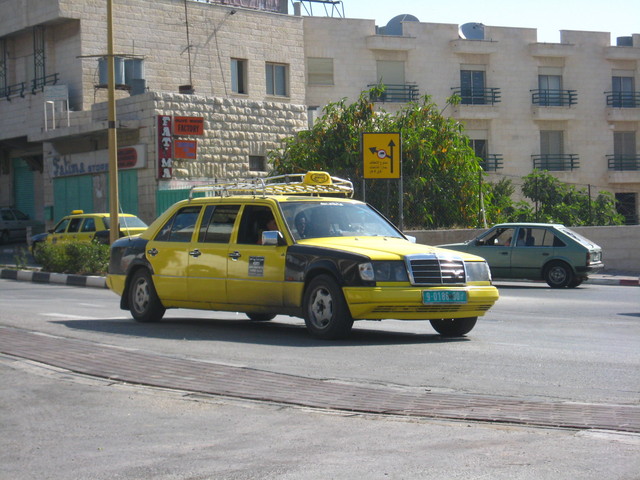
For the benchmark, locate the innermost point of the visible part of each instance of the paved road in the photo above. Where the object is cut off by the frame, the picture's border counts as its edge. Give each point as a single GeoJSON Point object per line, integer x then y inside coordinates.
{"type": "Point", "coordinates": [603, 338]}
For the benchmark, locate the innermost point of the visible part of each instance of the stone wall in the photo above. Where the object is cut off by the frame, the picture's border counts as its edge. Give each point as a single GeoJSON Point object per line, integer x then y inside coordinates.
{"type": "Point", "coordinates": [620, 244]}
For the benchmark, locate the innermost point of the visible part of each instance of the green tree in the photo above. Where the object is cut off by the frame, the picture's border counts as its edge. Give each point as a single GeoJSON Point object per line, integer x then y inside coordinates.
{"type": "Point", "coordinates": [440, 171]}
{"type": "Point", "coordinates": [558, 202]}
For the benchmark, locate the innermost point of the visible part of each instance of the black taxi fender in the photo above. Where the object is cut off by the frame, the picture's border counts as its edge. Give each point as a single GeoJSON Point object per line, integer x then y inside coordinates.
{"type": "Point", "coordinates": [304, 262]}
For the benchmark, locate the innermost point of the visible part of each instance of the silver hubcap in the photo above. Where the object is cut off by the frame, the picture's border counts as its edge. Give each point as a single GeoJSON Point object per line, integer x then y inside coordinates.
{"type": "Point", "coordinates": [321, 308]}
{"type": "Point", "coordinates": [141, 295]}
{"type": "Point", "coordinates": [557, 275]}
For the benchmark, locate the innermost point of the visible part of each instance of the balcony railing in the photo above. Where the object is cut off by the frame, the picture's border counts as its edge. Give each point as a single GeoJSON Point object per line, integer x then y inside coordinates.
{"type": "Point", "coordinates": [554, 98]}
{"type": "Point", "coordinates": [13, 90]}
{"type": "Point", "coordinates": [556, 162]}
{"type": "Point", "coordinates": [492, 163]}
{"type": "Point", "coordinates": [395, 92]}
{"type": "Point", "coordinates": [477, 96]}
{"type": "Point", "coordinates": [19, 89]}
{"type": "Point", "coordinates": [39, 83]}
{"type": "Point", "coordinates": [624, 162]}
{"type": "Point", "coordinates": [623, 99]}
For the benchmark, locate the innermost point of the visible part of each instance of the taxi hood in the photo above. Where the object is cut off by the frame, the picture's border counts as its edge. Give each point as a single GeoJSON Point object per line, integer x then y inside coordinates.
{"type": "Point", "coordinates": [382, 248]}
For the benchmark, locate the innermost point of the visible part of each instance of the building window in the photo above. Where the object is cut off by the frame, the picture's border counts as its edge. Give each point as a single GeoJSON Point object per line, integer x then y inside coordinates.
{"type": "Point", "coordinates": [276, 76]}
{"type": "Point", "coordinates": [320, 71]}
{"type": "Point", "coordinates": [472, 87]}
{"type": "Point", "coordinates": [623, 94]}
{"type": "Point", "coordinates": [257, 163]}
{"type": "Point", "coordinates": [550, 87]}
{"type": "Point", "coordinates": [238, 76]}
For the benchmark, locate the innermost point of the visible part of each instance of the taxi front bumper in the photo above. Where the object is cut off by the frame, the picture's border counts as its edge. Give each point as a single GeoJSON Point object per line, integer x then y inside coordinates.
{"type": "Point", "coordinates": [405, 303]}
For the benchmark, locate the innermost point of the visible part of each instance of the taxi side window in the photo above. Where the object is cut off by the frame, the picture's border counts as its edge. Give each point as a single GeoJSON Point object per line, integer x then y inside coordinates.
{"type": "Point", "coordinates": [181, 226]}
{"type": "Point", "coordinates": [89, 225]}
{"type": "Point", "coordinates": [217, 224]}
{"type": "Point", "coordinates": [62, 226]}
{"type": "Point", "coordinates": [74, 225]}
{"type": "Point", "coordinates": [253, 222]}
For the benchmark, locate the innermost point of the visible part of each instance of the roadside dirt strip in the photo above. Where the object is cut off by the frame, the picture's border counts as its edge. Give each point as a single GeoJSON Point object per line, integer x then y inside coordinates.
{"type": "Point", "coordinates": [151, 369]}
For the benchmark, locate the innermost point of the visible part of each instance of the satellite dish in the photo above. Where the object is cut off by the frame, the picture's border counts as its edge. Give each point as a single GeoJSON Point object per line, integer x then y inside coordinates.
{"type": "Point", "coordinates": [394, 26]}
{"type": "Point", "coordinates": [472, 31]}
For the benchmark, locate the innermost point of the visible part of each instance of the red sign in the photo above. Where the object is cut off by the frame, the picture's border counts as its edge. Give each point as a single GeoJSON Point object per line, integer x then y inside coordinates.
{"type": "Point", "coordinates": [165, 147]}
{"type": "Point", "coordinates": [127, 158]}
{"type": "Point", "coordinates": [185, 149]}
{"type": "Point", "coordinates": [188, 125]}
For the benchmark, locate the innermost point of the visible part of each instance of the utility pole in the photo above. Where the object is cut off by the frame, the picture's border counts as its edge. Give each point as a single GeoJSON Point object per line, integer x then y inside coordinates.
{"type": "Point", "coordinates": [114, 230]}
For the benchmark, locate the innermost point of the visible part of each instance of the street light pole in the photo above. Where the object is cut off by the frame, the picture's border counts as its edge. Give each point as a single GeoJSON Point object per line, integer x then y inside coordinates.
{"type": "Point", "coordinates": [114, 229]}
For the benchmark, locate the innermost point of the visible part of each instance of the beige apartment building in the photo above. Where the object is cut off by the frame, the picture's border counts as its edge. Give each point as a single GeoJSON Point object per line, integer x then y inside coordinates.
{"type": "Point", "coordinates": [205, 89]}
{"type": "Point", "coordinates": [572, 107]}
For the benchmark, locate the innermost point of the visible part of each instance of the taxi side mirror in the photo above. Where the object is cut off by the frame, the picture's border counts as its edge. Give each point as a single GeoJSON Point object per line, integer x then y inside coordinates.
{"type": "Point", "coordinates": [273, 237]}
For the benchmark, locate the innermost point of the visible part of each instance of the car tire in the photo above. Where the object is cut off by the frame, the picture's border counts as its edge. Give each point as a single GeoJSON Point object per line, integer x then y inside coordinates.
{"type": "Point", "coordinates": [326, 313]}
{"type": "Point", "coordinates": [454, 327]}
{"type": "Point", "coordinates": [144, 304]}
{"type": "Point", "coordinates": [260, 317]}
{"type": "Point", "coordinates": [558, 275]}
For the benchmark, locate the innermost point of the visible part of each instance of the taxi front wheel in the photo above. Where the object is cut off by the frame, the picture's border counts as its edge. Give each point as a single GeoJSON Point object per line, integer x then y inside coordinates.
{"type": "Point", "coordinates": [454, 327]}
{"type": "Point", "coordinates": [143, 300]}
{"type": "Point", "coordinates": [326, 313]}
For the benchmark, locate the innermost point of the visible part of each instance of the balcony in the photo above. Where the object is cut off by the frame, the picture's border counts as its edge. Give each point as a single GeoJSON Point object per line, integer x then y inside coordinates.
{"type": "Point", "coordinates": [391, 42]}
{"type": "Point", "coordinates": [477, 96]}
{"type": "Point", "coordinates": [554, 98]}
{"type": "Point", "coordinates": [395, 92]}
{"type": "Point", "coordinates": [623, 162]}
{"type": "Point", "coordinates": [557, 50]}
{"type": "Point", "coordinates": [19, 89]}
{"type": "Point", "coordinates": [623, 99]}
{"type": "Point", "coordinates": [556, 162]}
{"type": "Point", "coordinates": [492, 163]}
{"type": "Point", "coordinates": [477, 47]}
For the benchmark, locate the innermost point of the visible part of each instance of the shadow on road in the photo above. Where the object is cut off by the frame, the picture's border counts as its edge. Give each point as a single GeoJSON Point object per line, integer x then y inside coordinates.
{"type": "Point", "coordinates": [247, 331]}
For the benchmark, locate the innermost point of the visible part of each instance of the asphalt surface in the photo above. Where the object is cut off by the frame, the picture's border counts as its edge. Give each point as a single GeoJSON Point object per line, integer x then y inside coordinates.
{"type": "Point", "coordinates": [141, 368]}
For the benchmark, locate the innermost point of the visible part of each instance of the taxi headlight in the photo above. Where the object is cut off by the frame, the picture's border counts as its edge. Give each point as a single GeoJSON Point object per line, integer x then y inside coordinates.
{"type": "Point", "coordinates": [477, 271]}
{"type": "Point", "coordinates": [384, 271]}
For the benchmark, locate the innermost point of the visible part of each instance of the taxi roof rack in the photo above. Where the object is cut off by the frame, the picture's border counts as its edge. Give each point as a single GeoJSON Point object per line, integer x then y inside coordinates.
{"type": "Point", "coordinates": [310, 183]}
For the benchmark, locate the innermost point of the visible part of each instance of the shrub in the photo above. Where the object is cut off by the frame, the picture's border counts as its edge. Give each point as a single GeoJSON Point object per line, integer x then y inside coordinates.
{"type": "Point", "coordinates": [81, 258]}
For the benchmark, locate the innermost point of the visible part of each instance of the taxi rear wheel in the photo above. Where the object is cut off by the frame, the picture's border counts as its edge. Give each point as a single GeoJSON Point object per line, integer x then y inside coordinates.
{"type": "Point", "coordinates": [326, 313]}
{"type": "Point", "coordinates": [454, 327]}
{"type": "Point", "coordinates": [143, 300]}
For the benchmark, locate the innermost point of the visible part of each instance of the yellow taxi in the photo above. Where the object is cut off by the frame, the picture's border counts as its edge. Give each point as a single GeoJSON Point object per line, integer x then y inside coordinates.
{"type": "Point", "coordinates": [296, 245]}
{"type": "Point", "coordinates": [87, 227]}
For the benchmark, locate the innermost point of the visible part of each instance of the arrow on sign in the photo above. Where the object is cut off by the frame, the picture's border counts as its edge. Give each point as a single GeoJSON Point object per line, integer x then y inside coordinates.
{"type": "Point", "coordinates": [381, 154]}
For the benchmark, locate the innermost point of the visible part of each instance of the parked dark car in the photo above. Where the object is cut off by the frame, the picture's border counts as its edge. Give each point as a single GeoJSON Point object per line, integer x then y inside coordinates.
{"type": "Point", "coordinates": [536, 251]}
{"type": "Point", "coordinates": [14, 224]}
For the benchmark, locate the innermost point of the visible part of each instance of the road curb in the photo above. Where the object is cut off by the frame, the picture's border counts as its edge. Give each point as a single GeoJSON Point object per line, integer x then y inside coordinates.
{"type": "Point", "coordinates": [58, 278]}
{"type": "Point", "coordinates": [95, 281]}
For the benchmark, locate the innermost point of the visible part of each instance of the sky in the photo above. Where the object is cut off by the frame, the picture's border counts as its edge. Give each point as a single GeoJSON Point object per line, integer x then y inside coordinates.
{"type": "Point", "coordinates": [618, 17]}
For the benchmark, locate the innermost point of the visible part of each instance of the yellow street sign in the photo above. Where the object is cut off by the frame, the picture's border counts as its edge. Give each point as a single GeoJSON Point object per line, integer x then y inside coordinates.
{"type": "Point", "coordinates": [381, 154]}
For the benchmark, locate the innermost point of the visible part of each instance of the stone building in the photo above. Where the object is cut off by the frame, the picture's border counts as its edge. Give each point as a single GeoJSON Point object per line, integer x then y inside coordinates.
{"type": "Point", "coordinates": [206, 88]}
{"type": "Point", "coordinates": [572, 107]}
{"type": "Point", "coordinates": [221, 85]}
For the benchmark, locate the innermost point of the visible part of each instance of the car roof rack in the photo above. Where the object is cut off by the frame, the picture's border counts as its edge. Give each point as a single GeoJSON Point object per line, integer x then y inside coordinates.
{"type": "Point", "coordinates": [310, 183]}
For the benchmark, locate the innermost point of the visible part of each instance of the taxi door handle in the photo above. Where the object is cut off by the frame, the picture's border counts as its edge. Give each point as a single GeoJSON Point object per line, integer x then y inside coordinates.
{"type": "Point", "coordinates": [504, 253]}
{"type": "Point", "coordinates": [195, 253]}
{"type": "Point", "coordinates": [235, 255]}
{"type": "Point", "coordinates": [153, 252]}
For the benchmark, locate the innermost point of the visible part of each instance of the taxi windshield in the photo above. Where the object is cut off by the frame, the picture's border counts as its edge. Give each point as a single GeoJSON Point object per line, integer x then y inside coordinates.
{"type": "Point", "coordinates": [126, 222]}
{"type": "Point", "coordinates": [328, 218]}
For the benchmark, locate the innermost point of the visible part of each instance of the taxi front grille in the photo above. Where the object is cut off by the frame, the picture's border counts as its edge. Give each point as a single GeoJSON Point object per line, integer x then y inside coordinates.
{"type": "Point", "coordinates": [432, 308]}
{"type": "Point", "coordinates": [436, 270]}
